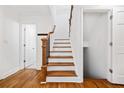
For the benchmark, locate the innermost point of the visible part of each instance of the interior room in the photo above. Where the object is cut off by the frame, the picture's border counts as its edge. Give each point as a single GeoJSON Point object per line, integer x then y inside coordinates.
{"type": "Point", "coordinates": [61, 46]}
{"type": "Point", "coordinates": [96, 46]}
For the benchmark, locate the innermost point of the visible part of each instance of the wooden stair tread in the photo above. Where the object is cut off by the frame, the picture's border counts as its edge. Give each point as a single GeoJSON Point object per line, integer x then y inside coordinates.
{"type": "Point", "coordinates": [61, 74]}
{"type": "Point", "coordinates": [60, 56]}
{"type": "Point", "coordinates": [60, 64]}
{"type": "Point", "coordinates": [60, 51]}
{"type": "Point", "coordinates": [62, 43]}
{"type": "Point", "coordinates": [61, 46]}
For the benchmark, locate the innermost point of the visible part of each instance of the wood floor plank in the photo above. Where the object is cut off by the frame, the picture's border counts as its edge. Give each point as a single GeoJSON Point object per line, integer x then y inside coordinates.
{"type": "Point", "coordinates": [100, 84]}
{"type": "Point", "coordinates": [31, 78]}
{"type": "Point", "coordinates": [89, 84]}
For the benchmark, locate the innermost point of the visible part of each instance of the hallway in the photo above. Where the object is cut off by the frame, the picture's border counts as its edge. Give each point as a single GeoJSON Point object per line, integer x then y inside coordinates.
{"type": "Point", "coordinates": [30, 78]}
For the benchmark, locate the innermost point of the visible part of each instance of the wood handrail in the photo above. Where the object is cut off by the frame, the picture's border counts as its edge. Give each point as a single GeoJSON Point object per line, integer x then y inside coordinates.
{"type": "Point", "coordinates": [70, 19]}
{"type": "Point", "coordinates": [45, 51]}
{"type": "Point", "coordinates": [47, 34]}
{"type": "Point", "coordinates": [42, 34]}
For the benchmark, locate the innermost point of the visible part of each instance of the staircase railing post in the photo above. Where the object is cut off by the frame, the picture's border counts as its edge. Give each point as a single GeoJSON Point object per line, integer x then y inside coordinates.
{"type": "Point", "coordinates": [45, 52]}
{"type": "Point", "coordinates": [44, 58]}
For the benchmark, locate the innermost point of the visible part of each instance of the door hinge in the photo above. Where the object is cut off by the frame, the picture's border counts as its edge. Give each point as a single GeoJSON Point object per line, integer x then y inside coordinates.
{"type": "Point", "coordinates": [110, 43]}
{"type": "Point", "coordinates": [24, 29]}
{"type": "Point", "coordinates": [24, 61]}
{"type": "Point", "coordinates": [24, 45]}
{"type": "Point", "coordinates": [110, 70]}
{"type": "Point", "coordinates": [111, 17]}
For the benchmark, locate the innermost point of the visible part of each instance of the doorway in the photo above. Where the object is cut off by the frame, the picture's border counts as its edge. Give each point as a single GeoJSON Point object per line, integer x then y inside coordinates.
{"type": "Point", "coordinates": [29, 45]}
{"type": "Point", "coordinates": [97, 36]}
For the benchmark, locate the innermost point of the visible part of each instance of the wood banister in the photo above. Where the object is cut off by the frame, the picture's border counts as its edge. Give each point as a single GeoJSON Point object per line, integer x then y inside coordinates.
{"type": "Point", "coordinates": [44, 58]}
{"type": "Point", "coordinates": [70, 19]}
{"type": "Point", "coordinates": [45, 52]}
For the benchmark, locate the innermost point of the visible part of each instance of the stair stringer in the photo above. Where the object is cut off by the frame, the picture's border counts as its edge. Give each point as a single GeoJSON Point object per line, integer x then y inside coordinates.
{"type": "Point", "coordinates": [76, 70]}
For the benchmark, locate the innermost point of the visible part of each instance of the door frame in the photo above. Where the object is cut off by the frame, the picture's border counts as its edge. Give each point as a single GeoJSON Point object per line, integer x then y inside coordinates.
{"type": "Point", "coordinates": [109, 12]}
{"type": "Point", "coordinates": [22, 65]}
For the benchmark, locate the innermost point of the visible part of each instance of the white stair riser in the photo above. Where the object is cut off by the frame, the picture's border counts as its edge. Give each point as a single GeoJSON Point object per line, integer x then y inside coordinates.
{"type": "Point", "coordinates": [62, 79]}
{"type": "Point", "coordinates": [62, 49]}
{"type": "Point", "coordinates": [61, 68]}
{"type": "Point", "coordinates": [61, 45]}
{"type": "Point", "coordinates": [60, 60]}
{"type": "Point", "coordinates": [61, 54]}
{"type": "Point", "coordinates": [61, 41]}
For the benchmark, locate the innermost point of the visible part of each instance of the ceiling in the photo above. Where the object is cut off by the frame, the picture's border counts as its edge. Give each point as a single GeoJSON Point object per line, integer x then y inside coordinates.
{"type": "Point", "coordinates": [28, 9]}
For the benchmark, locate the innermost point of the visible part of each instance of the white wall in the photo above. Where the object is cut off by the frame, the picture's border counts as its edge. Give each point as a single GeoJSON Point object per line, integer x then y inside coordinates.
{"type": "Point", "coordinates": [76, 42]}
{"type": "Point", "coordinates": [9, 44]}
{"type": "Point", "coordinates": [62, 28]}
{"type": "Point", "coordinates": [62, 14]}
{"type": "Point", "coordinates": [95, 33]}
{"type": "Point", "coordinates": [43, 22]}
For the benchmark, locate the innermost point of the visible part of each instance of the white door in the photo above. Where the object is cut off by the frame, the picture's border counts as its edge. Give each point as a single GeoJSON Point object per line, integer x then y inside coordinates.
{"type": "Point", "coordinates": [29, 45]}
{"type": "Point", "coordinates": [118, 46]}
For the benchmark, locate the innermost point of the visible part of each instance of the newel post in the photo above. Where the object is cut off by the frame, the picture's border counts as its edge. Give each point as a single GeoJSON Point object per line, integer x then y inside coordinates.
{"type": "Point", "coordinates": [44, 58]}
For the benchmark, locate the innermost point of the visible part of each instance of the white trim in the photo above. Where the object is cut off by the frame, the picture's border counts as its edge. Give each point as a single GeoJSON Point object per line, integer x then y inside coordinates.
{"type": "Point", "coordinates": [109, 75]}
{"type": "Point", "coordinates": [82, 44]}
{"type": "Point", "coordinates": [9, 72]}
{"type": "Point", "coordinates": [38, 67]}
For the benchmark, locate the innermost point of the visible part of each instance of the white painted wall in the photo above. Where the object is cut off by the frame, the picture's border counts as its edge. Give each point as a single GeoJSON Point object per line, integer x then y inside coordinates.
{"type": "Point", "coordinates": [62, 28]}
{"type": "Point", "coordinates": [96, 34]}
{"type": "Point", "coordinates": [76, 41]}
{"type": "Point", "coordinates": [9, 43]}
{"type": "Point", "coordinates": [62, 14]}
{"type": "Point", "coordinates": [43, 22]}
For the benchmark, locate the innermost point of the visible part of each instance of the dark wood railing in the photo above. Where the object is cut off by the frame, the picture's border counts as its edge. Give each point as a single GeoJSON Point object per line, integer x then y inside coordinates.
{"type": "Point", "coordinates": [45, 52]}
{"type": "Point", "coordinates": [70, 19]}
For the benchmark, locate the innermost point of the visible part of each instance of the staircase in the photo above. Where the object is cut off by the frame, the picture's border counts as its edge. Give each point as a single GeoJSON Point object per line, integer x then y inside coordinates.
{"type": "Point", "coordinates": [60, 67]}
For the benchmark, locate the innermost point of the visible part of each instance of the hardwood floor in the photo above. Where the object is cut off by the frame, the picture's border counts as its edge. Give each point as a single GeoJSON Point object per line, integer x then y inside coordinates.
{"type": "Point", "coordinates": [31, 79]}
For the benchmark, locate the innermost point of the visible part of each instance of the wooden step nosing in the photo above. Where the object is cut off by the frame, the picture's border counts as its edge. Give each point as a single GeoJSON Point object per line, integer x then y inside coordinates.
{"type": "Point", "coordinates": [60, 57]}
{"type": "Point", "coordinates": [61, 73]}
{"type": "Point", "coordinates": [61, 46]}
{"type": "Point", "coordinates": [60, 64]}
{"type": "Point", "coordinates": [60, 51]}
{"type": "Point", "coordinates": [61, 43]}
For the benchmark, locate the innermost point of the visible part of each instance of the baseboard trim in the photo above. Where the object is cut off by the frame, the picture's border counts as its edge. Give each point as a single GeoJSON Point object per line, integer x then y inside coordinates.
{"type": "Point", "coordinates": [9, 72]}
{"type": "Point", "coordinates": [38, 67]}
